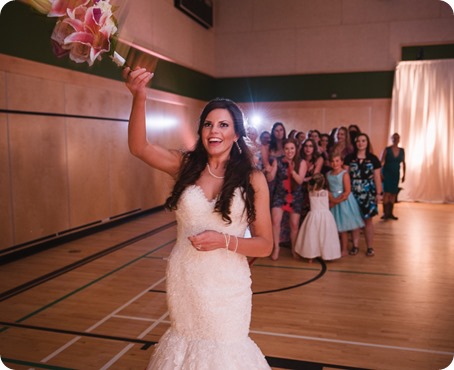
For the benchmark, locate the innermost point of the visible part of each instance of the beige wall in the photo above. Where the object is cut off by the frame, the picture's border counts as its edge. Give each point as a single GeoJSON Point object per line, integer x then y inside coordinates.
{"type": "Point", "coordinates": [59, 173]}
{"type": "Point", "coordinates": [162, 28]}
{"type": "Point", "coordinates": [371, 115]}
{"type": "Point", "coordinates": [268, 37]}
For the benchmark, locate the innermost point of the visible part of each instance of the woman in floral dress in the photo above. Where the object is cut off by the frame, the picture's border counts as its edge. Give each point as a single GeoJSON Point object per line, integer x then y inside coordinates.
{"type": "Point", "coordinates": [364, 168]}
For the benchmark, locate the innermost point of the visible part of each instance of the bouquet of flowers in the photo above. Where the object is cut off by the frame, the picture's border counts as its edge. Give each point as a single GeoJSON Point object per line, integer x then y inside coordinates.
{"type": "Point", "coordinates": [85, 29]}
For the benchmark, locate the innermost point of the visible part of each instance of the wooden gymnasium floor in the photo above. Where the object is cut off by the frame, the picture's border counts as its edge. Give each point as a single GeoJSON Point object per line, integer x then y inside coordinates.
{"type": "Point", "coordinates": [99, 302]}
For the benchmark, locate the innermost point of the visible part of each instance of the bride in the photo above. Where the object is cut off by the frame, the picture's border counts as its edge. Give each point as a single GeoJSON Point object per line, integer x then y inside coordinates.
{"type": "Point", "coordinates": [217, 194]}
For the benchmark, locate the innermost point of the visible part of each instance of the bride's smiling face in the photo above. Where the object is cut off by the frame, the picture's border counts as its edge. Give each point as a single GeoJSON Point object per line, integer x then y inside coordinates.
{"type": "Point", "coordinates": [218, 132]}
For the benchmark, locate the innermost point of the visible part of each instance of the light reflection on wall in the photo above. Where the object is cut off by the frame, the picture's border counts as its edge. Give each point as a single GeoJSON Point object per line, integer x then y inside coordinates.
{"type": "Point", "coordinates": [160, 122]}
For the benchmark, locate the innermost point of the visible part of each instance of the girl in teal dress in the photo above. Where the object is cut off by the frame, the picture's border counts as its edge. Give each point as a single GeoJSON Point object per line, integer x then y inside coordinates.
{"type": "Point", "coordinates": [343, 204]}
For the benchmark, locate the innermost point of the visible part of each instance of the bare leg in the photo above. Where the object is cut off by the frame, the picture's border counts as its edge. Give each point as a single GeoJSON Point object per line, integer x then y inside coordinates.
{"type": "Point", "coordinates": [369, 234]}
{"type": "Point", "coordinates": [344, 243]}
{"type": "Point", "coordinates": [276, 216]}
{"type": "Point", "coordinates": [294, 226]}
{"type": "Point", "coordinates": [355, 236]}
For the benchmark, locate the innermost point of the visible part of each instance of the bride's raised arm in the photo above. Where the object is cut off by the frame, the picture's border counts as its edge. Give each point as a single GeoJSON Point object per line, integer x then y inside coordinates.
{"type": "Point", "coordinates": [156, 156]}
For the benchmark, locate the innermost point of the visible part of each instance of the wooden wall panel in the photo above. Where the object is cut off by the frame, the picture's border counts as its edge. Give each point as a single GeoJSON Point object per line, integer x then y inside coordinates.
{"type": "Point", "coordinates": [6, 225]}
{"type": "Point", "coordinates": [96, 101]}
{"type": "Point", "coordinates": [38, 176]}
{"type": "Point", "coordinates": [88, 170]}
{"type": "Point", "coordinates": [125, 170]}
{"type": "Point", "coordinates": [2, 90]}
{"type": "Point", "coordinates": [155, 187]}
{"type": "Point", "coordinates": [35, 94]}
{"type": "Point", "coordinates": [371, 115]}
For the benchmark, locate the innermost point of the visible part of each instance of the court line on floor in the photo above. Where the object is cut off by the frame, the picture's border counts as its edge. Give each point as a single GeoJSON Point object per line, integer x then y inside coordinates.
{"type": "Point", "coordinates": [103, 320]}
{"type": "Point", "coordinates": [363, 344]}
{"type": "Point", "coordinates": [328, 270]}
{"type": "Point", "coordinates": [91, 283]}
{"type": "Point", "coordinates": [51, 275]}
{"type": "Point", "coordinates": [78, 334]}
{"type": "Point", "coordinates": [34, 364]}
{"type": "Point", "coordinates": [129, 346]}
{"type": "Point", "coordinates": [318, 276]}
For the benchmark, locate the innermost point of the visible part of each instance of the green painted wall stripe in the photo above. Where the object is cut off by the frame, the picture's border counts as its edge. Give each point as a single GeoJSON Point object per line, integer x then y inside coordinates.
{"type": "Point", "coordinates": [428, 52]}
{"type": "Point", "coordinates": [365, 85]}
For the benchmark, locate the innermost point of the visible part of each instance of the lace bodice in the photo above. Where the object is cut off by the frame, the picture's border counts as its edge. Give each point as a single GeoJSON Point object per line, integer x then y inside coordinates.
{"type": "Point", "coordinates": [195, 214]}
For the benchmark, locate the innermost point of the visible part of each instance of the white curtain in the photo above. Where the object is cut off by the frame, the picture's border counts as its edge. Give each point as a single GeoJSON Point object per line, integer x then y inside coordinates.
{"type": "Point", "coordinates": [422, 113]}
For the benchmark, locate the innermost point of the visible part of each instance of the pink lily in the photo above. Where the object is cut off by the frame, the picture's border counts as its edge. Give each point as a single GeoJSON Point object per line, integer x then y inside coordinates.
{"type": "Point", "coordinates": [90, 33]}
{"type": "Point", "coordinates": [61, 7]}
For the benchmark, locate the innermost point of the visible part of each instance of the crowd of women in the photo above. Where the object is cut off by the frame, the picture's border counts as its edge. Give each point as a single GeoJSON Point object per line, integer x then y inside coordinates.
{"type": "Point", "coordinates": [325, 187]}
{"type": "Point", "coordinates": [219, 192]}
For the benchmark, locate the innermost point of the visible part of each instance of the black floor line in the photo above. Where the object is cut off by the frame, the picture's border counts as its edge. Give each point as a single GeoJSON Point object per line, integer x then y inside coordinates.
{"type": "Point", "coordinates": [285, 363]}
{"type": "Point", "coordinates": [51, 275]}
{"type": "Point", "coordinates": [34, 365]}
{"type": "Point", "coordinates": [319, 275]}
{"type": "Point", "coordinates": [145, 343]}
{"type": "Point", "coordinates": [277, 362]}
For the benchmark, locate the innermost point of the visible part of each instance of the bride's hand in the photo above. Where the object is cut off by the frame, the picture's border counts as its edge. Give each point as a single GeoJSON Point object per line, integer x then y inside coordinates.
{"type": "Point", "coordinates": [208, 240]}
{"type": "Point", "coordinates": [137, 79]}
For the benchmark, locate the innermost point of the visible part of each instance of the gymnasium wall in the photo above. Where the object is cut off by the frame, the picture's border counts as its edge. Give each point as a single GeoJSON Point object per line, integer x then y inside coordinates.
{"type": "Point", "coordinates": [64, 161]}
{"type": "Point", "coordinates": [64, 158]}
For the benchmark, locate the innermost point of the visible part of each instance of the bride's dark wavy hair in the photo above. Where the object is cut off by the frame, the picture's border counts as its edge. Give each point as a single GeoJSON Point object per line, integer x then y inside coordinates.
{"type": "Point", "coordinates": [239, 167]}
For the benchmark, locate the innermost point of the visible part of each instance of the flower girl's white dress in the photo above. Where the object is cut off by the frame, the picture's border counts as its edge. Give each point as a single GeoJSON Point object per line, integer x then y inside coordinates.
{"type": "Point", "coordinates": [208, 294]}
{"type": "Point", "coordinates": [318, 235]}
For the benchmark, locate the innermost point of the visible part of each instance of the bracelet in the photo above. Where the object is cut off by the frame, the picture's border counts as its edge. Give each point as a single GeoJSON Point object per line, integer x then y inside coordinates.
{"type": "Point", "coordinates": [236, 244]}
{"type": "Point", "coordinates": [227, 240]}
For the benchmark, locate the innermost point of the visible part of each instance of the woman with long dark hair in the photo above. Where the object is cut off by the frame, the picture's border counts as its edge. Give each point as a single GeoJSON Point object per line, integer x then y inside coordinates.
{"type": "Point", "coordinates": [312, 164]}
{"type": "Point", "coordinates": [218, 193]}
{"type": "Point", "coordinates": [286, 172]}
{"type": "Point", "coordinates": [275, 149]}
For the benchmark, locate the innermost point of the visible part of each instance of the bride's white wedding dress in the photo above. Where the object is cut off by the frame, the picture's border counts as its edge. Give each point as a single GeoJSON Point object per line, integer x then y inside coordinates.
{"type": "Point", "coordinates": [208, 294]}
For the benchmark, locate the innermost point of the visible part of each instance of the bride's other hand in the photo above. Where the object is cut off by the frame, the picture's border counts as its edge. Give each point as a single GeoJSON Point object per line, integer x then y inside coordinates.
{"type": "Point", "coordinates": [208, 240]}
{"type": "Point", "coordinates": [137, 79]}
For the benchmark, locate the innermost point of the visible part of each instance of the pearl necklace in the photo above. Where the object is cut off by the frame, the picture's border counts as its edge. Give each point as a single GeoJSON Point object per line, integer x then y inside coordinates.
{"type": "Point", "coordinates": [212, 174]}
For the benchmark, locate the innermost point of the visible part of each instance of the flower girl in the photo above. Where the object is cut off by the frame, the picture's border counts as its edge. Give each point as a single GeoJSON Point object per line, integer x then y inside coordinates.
{"type": "Point", "coordinates": [343, 204]}
{"type": "Point", "coordinates": [318, 235]}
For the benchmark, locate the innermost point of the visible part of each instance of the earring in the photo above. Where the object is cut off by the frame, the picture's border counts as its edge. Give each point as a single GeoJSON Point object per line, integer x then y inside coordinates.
{"type": "Point", "coordinates": [238, 146]}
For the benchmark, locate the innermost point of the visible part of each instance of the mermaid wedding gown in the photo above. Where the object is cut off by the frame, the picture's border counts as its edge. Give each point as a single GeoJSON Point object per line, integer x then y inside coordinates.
{"type": "Point", "coordinates": [208, 295]}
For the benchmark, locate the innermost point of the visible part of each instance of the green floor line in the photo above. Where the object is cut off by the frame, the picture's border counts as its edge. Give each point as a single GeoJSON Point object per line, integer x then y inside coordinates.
{"type": "Point", "coordinates": [92, 283]}
{"type": "Point", "coordinates": [328, 270]}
